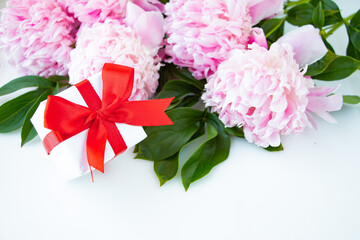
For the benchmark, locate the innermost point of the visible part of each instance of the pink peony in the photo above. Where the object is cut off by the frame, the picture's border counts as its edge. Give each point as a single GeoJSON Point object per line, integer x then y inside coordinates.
{"type": "Point", "coordinates": [321, 102]}
{"type": "Point", "coordinates": [91, 11]}
{"type": "Point", "coordinates": [37, 36]}
{"type": "Point", "coordinates": [266, 92]}
{"type": "Point", "coordinates": [262, 90]}
{"type": "Point", "coordinates": [202, 32]}
{"type": "Point", "coordinates": [111, 42]}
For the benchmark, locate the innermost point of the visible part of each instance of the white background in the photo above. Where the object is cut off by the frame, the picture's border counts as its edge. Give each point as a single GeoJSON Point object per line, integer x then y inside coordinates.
{"type": "Point", "coordinates": [309, 191]}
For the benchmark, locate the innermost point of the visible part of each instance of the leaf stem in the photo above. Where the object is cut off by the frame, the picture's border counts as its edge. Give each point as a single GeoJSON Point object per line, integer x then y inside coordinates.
{"type": "Point", "coordinates": [339, 24]}
{"type": "Point", "coordinates": [290, 4]}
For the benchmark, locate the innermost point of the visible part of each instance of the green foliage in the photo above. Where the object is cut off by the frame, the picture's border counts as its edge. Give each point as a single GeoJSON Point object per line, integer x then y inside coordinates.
{"type": "Point", "coordinates": [214, 150]}
{"type": "Point", "coordinates": [274, 149]}
{"type": "Point", "coordinates": [301, 14]}
{"type": "Point", "coordinates": [17, 112]}
{"type": "Point", "coordinates": [353, 31]}
{"type": "Point", "coordinates": [166, 169]}
{"type": "Point", "coordinates": [333, 67]}
{"type": "Point", "coordinates": [351, 99]}
{"type": "Point", "coordinates": [318, 16]}
{"type": "Point", "coordinates": [165, 141]}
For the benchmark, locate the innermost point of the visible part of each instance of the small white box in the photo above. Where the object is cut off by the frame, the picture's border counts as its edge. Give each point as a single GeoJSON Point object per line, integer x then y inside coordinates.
{"type": "Point", "coordinates": [70, 155]}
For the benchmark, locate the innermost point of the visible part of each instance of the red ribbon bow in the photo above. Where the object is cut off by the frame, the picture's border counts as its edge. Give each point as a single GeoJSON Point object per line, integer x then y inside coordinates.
{"type": "Point", "coordinates": [67, 119]}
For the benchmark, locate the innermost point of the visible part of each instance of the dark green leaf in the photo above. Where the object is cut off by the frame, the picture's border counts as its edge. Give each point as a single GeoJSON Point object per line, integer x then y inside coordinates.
{"type": "Point", "coordinates": [331, 11]}
{"type": "Point", "coordinates": [320, 66]}
{"type": "Point", "coordinates": [25, 82]}
{"type": "Point", "coordinates": [12, 113]}
{"type": "Point", "coordinates": [275, 149]}
{"type": "Point", "coordinates": [178, 88]}
{"type": "Point", "coordinates": [210, 153]}
{"type": "Point", "coordinates": [184, 75]}
{"type": "Point", "coordinates": [56, 89]}
{"type": "Point", "coordinates": [351, 51]}
{"type": "Point", "coordinates": [165, 141]}
{"type": "Point", "coordinates": [335, 15]}
{"type": "Point", "coordinates": [354, 36]}
{"type": "Point", "coordinates": [340, 68]}
{"type": "Point", "coordinates": [28, 132]}
{"type": "Point", "coordinates": [166, 169]}
{"type": "Point", "coordinates": [271, 25]}
{"type": "Point", "coordinates": [57, 78]}
{"type": "Point", "coordinates": [235, 131]}
{"type": "Point", "coordinates": [318, 16]}
{"type": "Point", "coordinates": [165, 74]}
{"type": "Point", "coordinates": [355, 21]}
{"type": "Point", "coordinates": [351, 99]}
{"type": "Point", "coordinates": [301, 14]}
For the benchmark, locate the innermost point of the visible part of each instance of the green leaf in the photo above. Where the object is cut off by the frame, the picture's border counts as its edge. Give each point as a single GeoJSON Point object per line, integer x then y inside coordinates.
{"type": "Point", "coordinates": [12, 113]}
{"type": "Point", "coordinates": [355, 20]}
{"type": "Point", "coordinates": [318, 16]}
{"type": "Point", "coordinates": [351, 51]}
{"type": "Point", "coordinates": [177, 88]}
{"type": "Point", "coordinates": [275, 149]}
{"type": "Point", "coordinates": [165, 141]}
{"type": "Point", "coordinates": [271, 25]}
{"type": "Point", "coordinates": [25, 82]}
{"type": "Point", "coordinates": [320, 66]}
{"type": "Point", "coordinates": [235, 131]}
{"type": "Point", "coordinates": [331, 11]}
{"type": "Point", "coordinates": [57, 78]}
{"type": "Point", "coordinates": [210, 153]}
{"type": "Point", "coordinates": [340, 68]}
{"type": "Point", "coordinates": [28, 132]}
{"type": "Point", "coordinates": [56, 89]}
{"type": "Point", "coordinates": [351, 99]}
{"type": "Point", "coordinates": [166, 169]}
{"type": "Point", "coordinates": [184, 75]}
{"type": "Point", "coordinates": [301, 14]}
{"type": "Point", "coordinates": [354, 36]}
{"type": "Point", "coordinates": [165, 74]}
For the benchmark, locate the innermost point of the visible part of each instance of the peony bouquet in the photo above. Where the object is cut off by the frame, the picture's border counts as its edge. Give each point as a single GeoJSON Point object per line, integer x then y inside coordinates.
{"type": "Point", "coordinates": [229, 65]}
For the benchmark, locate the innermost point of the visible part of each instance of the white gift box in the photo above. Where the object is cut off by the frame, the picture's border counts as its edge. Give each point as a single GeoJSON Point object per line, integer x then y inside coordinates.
{"type": "Point", "coordinates": [70, 155]}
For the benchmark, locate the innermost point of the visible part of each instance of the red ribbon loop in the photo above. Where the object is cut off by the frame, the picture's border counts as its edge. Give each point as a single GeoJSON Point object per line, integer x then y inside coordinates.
{"type": "Point", "coordinates": [67, 119]}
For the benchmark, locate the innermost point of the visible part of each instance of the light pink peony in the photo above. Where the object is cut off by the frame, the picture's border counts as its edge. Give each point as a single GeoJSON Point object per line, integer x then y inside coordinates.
{"type": "Point", "coordinates": [37, 36]}
{"type": "Point", "coordinates": [91, 11]}
{"type": "Point", "coordinates": [266, 92]}
{"type": "Point", "coordinates": [111, 42]}
{"type": "Point", "coordinates": [202, 32]}
{"type": "Point", "coordinates": [262, 90]}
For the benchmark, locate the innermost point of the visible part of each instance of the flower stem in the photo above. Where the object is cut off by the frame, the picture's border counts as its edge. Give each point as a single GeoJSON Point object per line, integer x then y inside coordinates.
{"type": "Point", "coordinates": [339, 24]}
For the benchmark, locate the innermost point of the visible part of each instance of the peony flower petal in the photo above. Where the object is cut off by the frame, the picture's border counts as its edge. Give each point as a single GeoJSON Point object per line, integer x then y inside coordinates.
{"type": "Point", "coordinates": [150, 27]}
{"type": "Point", "coordinates": [261, 9]}
{"type": "Point", "coordinates": [262, 90]}
{"type": "Point", "coordinates": [321, 105]}
{"type": "Point", "coordinates": [307, 44]}
{"type": "Point", "coordinates": [150, 5]}
{"type": "Point", "coordinates": [201, 33]}
{"type": "Point", "coordinates": [257, 36]}
{"type": "Point", "coordinates": [133, 12]}
{"type": "Point", "coordinates": [117, 44]}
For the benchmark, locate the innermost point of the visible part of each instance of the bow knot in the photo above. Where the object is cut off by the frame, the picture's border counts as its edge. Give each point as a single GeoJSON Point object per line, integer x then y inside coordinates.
{"type": "Point", "coordinates": [67, 119]}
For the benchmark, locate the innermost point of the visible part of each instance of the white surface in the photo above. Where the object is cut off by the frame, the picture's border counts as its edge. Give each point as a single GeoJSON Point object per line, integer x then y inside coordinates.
{"type": "Point", "coordinates": [70, 155]}
{"type": "Point", "coordinates": [309, 191]}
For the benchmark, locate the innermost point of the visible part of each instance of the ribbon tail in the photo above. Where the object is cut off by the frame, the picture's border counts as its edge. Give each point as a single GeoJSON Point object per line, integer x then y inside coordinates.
{"type": "Point", "coordinates": [95, 145]}
{"type": "Point", "coordinates": [142, 113]}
